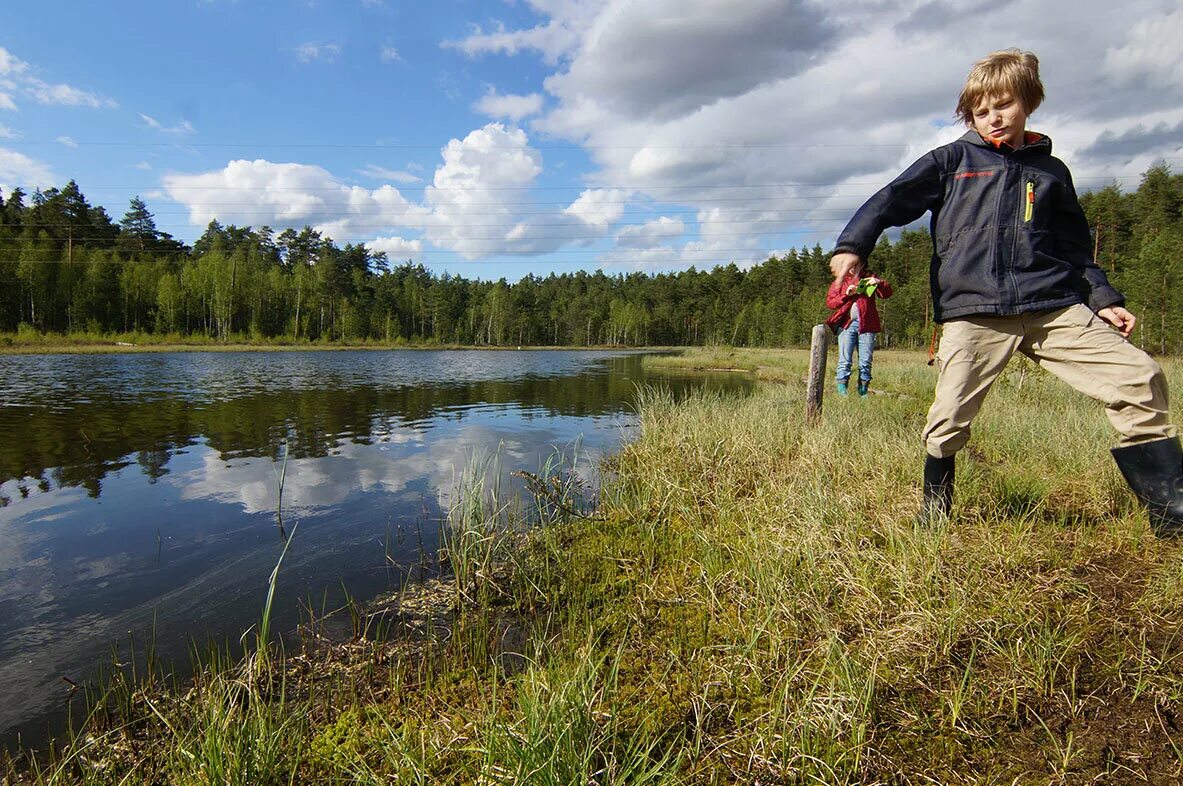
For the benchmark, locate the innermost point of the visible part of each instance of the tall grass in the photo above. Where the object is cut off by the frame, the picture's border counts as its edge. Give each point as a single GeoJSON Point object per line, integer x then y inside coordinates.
{"type": "Point", "coordinates": [263, 643]}
{"type": "Point", "coordinates": [753, 602]}
{"type": "Point", "coordinates": [789, 546]}
{"type": "Point", "coordinates": [475, 533]}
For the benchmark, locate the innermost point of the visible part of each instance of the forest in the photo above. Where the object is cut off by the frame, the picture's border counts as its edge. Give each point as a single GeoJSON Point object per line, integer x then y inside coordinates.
{"type": "Point", "coordinates": [67, 267]}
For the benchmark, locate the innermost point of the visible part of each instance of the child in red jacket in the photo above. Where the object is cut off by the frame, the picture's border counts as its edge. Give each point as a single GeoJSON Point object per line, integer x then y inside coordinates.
{"type": "Point", "coordinates": [856, 321]}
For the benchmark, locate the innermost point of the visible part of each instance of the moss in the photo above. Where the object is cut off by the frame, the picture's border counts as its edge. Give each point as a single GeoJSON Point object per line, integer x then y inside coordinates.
{"type": "Point", "coordinates": [342, 741]}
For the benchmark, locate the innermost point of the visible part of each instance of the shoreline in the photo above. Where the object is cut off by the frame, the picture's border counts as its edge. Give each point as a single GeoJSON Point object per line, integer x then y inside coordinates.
{"type": "Point", "coordinates": [115, 348]}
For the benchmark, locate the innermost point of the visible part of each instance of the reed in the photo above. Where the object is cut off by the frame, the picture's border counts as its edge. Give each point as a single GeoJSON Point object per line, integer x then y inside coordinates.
{"type": "Point", "coordinates": [263, 638]}
{"type": "Point", "coordinates": [476, 529]}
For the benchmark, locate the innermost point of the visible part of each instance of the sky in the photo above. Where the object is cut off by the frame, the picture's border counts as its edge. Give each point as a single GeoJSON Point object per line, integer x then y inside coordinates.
{"type": "Point", "coordinates": [502, 138]}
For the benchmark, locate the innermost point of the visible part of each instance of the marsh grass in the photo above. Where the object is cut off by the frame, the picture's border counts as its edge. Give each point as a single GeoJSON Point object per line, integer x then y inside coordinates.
{"type": "Point", "coordinates": [478, 529]}
{"type": "Point", "coordinates": [752, 602]}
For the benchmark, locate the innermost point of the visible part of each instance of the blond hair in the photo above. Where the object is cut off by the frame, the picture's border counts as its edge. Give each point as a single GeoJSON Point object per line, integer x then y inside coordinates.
{"type": "Point", "coordinates": [1012, 71]}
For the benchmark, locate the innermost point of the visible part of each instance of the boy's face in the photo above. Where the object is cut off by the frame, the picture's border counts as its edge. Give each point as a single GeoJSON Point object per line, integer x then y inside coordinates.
{"type": "Point", "coordinates": [1001, 118]}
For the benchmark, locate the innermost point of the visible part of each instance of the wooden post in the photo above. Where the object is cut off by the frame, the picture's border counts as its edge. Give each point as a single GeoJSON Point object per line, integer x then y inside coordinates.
{"type": "Point", "coordinates": [818, 345]}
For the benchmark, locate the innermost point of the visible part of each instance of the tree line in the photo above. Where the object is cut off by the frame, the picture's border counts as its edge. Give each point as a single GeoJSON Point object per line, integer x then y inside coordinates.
{"type": "Point", "coordinates": [67, 267]}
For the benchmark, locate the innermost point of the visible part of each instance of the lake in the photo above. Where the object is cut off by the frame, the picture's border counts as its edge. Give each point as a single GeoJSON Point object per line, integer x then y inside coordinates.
{"type": "Point", "coordinates": [138, 492]}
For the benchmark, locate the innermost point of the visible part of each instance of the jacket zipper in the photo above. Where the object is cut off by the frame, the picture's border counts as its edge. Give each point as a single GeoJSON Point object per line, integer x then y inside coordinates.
{"type": "Point", "coordinates": [1012, 292]}
{"type": "Point", "coordinates": [1029, 211]}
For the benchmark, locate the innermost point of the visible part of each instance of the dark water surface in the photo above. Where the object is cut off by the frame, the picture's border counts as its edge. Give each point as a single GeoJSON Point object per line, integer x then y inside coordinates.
{"type": "Point", "coordinates": [138, 492]}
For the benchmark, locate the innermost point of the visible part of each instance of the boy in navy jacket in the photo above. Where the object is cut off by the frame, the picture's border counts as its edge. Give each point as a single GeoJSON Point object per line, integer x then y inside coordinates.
{"type": "Point", "coordinates": [1012, 271]}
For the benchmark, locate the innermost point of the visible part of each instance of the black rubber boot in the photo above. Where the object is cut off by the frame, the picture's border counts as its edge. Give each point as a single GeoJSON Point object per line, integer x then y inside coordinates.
{"type": "Point", "coordinates": [938, 489]}
{"type": "Point", "coordinates": [1154, 471]}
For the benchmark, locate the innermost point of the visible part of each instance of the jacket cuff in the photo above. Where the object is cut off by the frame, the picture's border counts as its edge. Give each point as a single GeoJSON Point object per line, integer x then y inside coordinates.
{"type": "Point", "coordinates": [1104, 297]}
{"type": "Point", "coordinates": [846, 248]}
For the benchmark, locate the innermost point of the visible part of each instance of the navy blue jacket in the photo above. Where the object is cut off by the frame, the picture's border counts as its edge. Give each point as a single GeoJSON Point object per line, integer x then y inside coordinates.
{"type": "Point", "coordinates": [1008, 232]}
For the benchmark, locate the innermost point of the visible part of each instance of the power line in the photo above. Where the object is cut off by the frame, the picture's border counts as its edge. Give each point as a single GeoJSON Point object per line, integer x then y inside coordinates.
{"type": "Point", "coordinates": [639, 253]}
{"type": "Point", "coordinates": [574, 146]}
{"type": "Point", "coordinates": [838, 217]}
{"type": "Point", "coordinates": [453, 209]}
{"type": "Point", "coordinates": [463, 207]}
{"type": "Point", "coordinates": [589, 263]}
{"type": "Point", "coordinates": [449, 210]}
{"type": "Point", "coordinates": [502, 238]}
{"type": "Point", "coordinates": [643, 188]}
{"type": "Point", "coordinates": [738, 212]}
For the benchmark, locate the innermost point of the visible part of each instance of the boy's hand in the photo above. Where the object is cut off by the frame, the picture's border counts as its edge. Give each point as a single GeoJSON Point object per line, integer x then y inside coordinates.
{"type": "Point", "coordinates": [842, 263]}
{"type": "Point", "coordinates": [1121, 319]}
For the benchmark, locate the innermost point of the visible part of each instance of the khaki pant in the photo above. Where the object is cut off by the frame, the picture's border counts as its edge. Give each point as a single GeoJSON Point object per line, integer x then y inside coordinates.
{"type": "Point", "coordinates": [1074, 344]}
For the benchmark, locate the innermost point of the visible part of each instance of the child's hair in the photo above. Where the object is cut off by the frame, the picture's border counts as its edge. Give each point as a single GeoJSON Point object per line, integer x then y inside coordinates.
{"type": "Point", "coordinates": [1006, 71]}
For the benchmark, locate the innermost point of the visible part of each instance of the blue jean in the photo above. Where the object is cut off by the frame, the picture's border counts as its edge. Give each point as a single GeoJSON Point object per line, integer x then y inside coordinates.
{"type": "Point", "coordinates": [847, 340]}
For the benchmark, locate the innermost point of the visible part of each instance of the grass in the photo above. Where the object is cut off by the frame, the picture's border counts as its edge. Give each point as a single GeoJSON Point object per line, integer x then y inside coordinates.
{"type": "Point", "coordinates": [751, 603]}
{"type": "Point", "coordinates": [765, 364]}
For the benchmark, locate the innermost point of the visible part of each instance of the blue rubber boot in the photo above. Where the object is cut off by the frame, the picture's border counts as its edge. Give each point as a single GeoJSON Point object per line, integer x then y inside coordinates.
{"type": "Point", "coordinates": [842, 388]}
{"type": "Point", "coordinates": [863, 387]}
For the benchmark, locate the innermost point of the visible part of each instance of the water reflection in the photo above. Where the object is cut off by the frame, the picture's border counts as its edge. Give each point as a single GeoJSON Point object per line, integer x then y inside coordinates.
{"type": "Point", "coordinates": [139, 410]}
{"type": "Point", "coordinates": [139, 491]}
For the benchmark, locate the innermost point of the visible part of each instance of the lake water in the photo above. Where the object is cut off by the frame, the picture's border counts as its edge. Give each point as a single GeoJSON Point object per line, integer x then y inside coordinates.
{"type": "Point", "coordinates": [138, 492]}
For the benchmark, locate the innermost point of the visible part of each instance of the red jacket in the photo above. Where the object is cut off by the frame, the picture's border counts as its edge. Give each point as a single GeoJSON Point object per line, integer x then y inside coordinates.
{"type": "Point", "coordinates": [838, 300]}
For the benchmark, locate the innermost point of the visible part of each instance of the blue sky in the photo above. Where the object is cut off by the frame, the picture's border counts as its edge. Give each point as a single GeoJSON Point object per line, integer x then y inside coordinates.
{"type": "Point", "coordinates": [499, 138]}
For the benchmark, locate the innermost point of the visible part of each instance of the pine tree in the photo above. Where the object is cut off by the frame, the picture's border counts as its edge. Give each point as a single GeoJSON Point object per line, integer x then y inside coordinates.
{"type": "Point", "coordinates": [137, 228]}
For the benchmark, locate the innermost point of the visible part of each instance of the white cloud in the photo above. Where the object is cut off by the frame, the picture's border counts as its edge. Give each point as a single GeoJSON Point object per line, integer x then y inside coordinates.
{"type": "Point", "coordinates": [651, 234]}
{"type": "Point", "coordinates": [10, 64]}
{"type": "Point", "coordinates": [289, 195]}
{"type": "Point", "coordinates": [311, 483]}
{"type": "Point", "coordinates": [17, 76]}
{"type": "Point", "coordinates": [599, 208]}
{"type": "Point", "coordinates": [67, 141]}
{"type": "Point", "coordinates": [8, 133]}
{"type": "Point", "coordinates": [1150, 53]}
{"type": "Point", "coordinates": [725, 235]}
{"type": "Point", "coordinates": [381, 173]}
{"type": "Point", "coordinates": [388, 54]}
{"type": "Point", "coordinates": [478, 203]}
{"type": "Point", "coordinates": [478, 196]}
{"type": "Point", "coordinates": [308, 52]}
{"type": "Point", "coordinates": [775, 115]}
{"type": "Point", "coordinates": [180, 129]}
{"type": "Point", "coordinates": [396, 248]}
{"type": "Point", "coordinates": [509, 106]}
{"type": "Point", "coordinates": [666, 58]}
{"type": "Point", "coordinates": [17, 169]}
{"type": "Point", "coordinates": [65, 95]}
{"type": "Point", "coordinates": [554, 39]}
{"type": "Point", "coordinates": [144, 165]}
